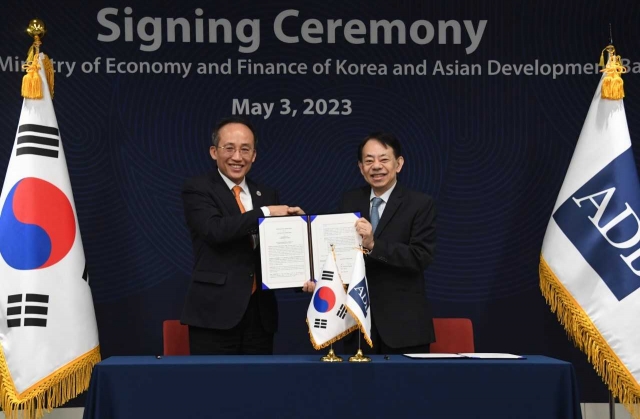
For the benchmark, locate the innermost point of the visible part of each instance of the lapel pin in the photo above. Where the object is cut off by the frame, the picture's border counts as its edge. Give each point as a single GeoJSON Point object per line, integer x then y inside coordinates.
{"type": "Point", "coordinates": [258, 193]}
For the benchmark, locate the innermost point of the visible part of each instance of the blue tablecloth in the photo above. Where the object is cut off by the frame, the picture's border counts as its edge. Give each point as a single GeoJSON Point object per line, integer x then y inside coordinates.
{"type": "Point", "coordinates": [291, 387]}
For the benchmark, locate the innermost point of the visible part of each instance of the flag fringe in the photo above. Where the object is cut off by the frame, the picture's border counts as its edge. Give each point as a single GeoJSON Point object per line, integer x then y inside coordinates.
{"type": "Point", "coordinates": [53, 391]}
{"type": "Point", "coordinates": [329, 342]}
{"type": "Point", "coordinates": [589, 340]}
{"type": "Point", "coordinates": [360, 326]}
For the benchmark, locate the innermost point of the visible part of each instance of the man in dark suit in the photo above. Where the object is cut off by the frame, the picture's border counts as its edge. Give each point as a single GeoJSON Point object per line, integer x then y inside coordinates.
{"type": "Point", "coordinates": [398, 231]}
{"type": "Point", "coordinates": [226, 309]}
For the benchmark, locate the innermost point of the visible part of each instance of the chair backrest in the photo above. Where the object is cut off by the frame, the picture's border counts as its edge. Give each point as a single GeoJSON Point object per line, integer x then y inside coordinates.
{"type": "Point", "coordinates": [453, 336]}
{"type": "Point", "coordinates": [175, 338]}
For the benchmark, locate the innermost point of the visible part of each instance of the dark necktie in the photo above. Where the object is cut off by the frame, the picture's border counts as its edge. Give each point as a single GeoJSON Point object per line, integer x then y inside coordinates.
{"type": "Point", "coordinates": [375, 215]}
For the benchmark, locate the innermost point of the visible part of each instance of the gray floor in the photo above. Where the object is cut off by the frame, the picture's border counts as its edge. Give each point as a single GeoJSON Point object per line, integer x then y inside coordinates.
{"type": "Point", "coordinates": [589, 411]}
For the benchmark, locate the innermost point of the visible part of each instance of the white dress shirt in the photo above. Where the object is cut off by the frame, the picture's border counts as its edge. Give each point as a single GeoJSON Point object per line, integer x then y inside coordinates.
{"type": "Point", "coordinates": [245, 194]}
{"type": "Point", "coordinates": [245, 198]}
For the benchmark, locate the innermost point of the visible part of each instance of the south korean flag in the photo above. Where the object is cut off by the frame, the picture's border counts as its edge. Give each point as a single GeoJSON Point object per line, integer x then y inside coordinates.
{"type": "Point", "coordinates": [48, 333]}
{"type": "Point", "coordinates": [327, 317]}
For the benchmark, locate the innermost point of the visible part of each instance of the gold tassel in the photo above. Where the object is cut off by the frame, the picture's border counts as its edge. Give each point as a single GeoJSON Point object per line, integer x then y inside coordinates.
{"type": "Point", "coordinates": [586, 336]}
{"type": "Point", "coordinates": [48, 72]}
{"type": "Point", "coordinates": [601, 63]}
{"type": "Point", "coordinates": [30, 53]}
{"type": "Point", "coordinates": [31, 82]}
{"type": "Point", "coordinates": [612, 84]}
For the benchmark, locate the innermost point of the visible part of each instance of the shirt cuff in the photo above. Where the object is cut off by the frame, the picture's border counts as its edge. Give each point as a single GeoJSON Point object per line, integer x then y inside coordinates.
{"type": "Point", "coordinates": [265, 211]}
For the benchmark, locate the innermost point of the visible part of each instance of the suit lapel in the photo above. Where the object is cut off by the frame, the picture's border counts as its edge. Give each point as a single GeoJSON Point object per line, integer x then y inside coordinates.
{"type": "Point", "coordinates": [225, 194]}
{"type": "Point", "coordinates": [364, 203]}
{"type": "Point", "coordinates": [395, 200]}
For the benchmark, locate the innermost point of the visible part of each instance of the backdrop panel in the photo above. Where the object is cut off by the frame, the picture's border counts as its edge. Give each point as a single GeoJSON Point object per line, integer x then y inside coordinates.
{"type": "Point", "coordinates": [488, 99]}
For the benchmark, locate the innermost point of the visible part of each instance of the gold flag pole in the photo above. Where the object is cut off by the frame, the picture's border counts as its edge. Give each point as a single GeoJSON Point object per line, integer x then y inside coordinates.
{"type": "Point", "coordinates": [31, 82]}
{"type": "Point", "coordinates": [331, 356]}
{"type": "Point", "coordinates": [359, 356]}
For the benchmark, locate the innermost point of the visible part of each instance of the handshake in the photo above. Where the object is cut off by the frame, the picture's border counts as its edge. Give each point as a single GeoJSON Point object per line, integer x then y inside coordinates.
{"type": "Point", "coordinates": [280, 210]}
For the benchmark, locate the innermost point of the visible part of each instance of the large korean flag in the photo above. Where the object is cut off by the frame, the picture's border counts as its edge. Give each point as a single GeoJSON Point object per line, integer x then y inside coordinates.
{"type": "Point", "coordinates": [48, 332]}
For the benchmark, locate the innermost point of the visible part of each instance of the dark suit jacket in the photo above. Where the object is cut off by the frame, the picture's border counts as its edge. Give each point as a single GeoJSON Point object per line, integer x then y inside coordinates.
{"type": "Point", "coordinates": [404, 244]}
{"type": "Point", "coordinates": [225, 261]}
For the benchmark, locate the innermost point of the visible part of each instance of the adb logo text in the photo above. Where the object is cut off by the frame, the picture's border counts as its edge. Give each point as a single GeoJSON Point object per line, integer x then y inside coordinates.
{"type": "Point", "coordinates": [601, 220]}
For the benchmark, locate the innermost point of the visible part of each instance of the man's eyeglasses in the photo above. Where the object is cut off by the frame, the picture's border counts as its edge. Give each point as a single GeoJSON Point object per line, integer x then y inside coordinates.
{"type": "Point", "coordinates": [231, 150]}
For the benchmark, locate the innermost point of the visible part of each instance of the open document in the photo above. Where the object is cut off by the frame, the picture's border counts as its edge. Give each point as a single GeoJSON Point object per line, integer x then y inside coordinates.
{"type": "Point", "coordinates": [433, 356]}
{"type": "Point", "coordinates": [292, 249]}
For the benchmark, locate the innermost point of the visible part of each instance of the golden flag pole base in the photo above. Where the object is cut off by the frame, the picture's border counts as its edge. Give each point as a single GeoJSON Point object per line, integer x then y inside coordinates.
{"type": "Point", "coordinates": [331, 357]}
{"type": "Point", "coordinates": [359, 357]}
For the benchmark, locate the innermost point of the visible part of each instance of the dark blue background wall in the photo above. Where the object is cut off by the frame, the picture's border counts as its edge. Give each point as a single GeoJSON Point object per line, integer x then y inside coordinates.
{"type": "Point", "coordinates": [491, 149]}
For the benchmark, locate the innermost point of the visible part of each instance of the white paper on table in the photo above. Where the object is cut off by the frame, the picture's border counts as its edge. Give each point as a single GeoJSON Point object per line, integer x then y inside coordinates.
{"type": "Point", "coordinates": [433, 356]}
{"type": "Point", "coordinates": [487, 355]}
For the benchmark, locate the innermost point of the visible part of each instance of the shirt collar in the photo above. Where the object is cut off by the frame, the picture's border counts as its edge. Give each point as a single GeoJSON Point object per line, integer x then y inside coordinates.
{"type": "Point", "coordinates": [230, 184]}
{"type": "Point", "coordinates": [385, 196]}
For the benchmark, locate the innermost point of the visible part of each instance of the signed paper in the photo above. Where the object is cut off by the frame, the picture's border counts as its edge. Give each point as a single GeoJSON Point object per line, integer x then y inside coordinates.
{"type": "Point", "coordinates": [338, 230]}
{"type": "Point", "coordinates": [293, 249]}
{"type": "Point", "coordinates": [284, 251]}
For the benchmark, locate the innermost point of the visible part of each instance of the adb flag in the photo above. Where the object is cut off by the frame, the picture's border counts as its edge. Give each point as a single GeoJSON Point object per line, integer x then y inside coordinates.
{"type": "Point", "coordinates": [590, 261]}
{"type": "Point", "coordinates": [48, 332]}
{"type": "Point", "coordinates": [327, 316]}
{"type": "Point", "coordinates": [358, 298]}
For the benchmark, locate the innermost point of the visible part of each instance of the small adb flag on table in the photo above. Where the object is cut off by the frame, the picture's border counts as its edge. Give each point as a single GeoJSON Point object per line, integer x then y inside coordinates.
{"type": "Point", "coordinates": [48, 333]}
{"type": "Point", "coordinates": [590, 261]}
{"type": "Point", "coordinates": [327, 316]}
{"type": "Point", "coordinates": [358, 298]}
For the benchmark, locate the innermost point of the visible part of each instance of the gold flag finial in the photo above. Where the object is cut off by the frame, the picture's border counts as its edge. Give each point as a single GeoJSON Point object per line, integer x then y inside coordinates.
{"type": "Point", "coordinates": [612, 84]}
{"type": "Point", "coordinates": [31, 82]}
{"type": "Point", "coordinates": [36, 28]}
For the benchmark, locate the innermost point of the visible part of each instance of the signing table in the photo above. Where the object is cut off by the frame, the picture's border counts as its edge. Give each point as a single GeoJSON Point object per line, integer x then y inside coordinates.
{"type": "Point", "coordinates": [300, 386]}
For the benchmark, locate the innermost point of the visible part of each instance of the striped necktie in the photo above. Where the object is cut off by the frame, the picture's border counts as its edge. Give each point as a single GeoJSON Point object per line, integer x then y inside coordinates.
{"type": "Point", "coordinates": [375, 215]}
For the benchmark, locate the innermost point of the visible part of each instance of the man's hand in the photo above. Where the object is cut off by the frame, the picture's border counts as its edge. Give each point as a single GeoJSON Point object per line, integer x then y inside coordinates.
{"type": "Point", "coordinates": [278, 210]}
{"type": "Point", "coordinates": [365, 230]}
{"type": "Point", "coordinates": [295, 211]}
{"type": "Point", "coordinates": [309, 286]}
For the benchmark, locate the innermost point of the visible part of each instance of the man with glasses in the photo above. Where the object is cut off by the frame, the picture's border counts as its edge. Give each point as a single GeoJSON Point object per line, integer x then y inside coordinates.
{"type": "Point", "coordinates": [398, 230]}
{"type": "Point", "coordinates": [226, 309]}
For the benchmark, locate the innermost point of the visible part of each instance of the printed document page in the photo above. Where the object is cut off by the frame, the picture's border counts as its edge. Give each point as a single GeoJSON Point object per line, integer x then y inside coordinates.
{"type": "Point", "coordinates": [338, 230]}
{"type": "Point", "coordinates": [284, 251]}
